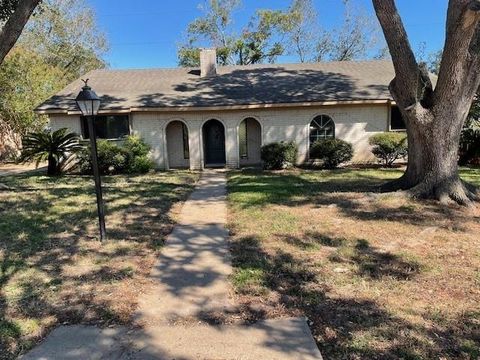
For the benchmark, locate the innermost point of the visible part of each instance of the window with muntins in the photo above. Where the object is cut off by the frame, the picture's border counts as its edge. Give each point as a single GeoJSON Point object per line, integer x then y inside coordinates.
{"type": "Point", "coordinates": [242, 138]}
{"type": "Point", "coordinates": [107, 126]}
{"type": "Point", "coordinates": [186, 148]}
{"type": "Point", "coordinates": [321, 128]}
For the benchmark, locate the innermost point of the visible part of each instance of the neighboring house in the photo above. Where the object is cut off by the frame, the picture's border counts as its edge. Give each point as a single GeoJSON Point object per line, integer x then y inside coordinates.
{"type": "Point", "coordinates": [221, 116]}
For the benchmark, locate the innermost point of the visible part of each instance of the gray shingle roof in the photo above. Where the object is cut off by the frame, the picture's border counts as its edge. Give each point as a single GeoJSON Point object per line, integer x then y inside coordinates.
{"type": "Point", "coordinates": [233, 85]}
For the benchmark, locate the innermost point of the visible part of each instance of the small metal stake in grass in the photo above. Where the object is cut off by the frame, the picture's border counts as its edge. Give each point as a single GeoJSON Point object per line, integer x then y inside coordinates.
{"type": "Point", "coordinates": [89, 104]}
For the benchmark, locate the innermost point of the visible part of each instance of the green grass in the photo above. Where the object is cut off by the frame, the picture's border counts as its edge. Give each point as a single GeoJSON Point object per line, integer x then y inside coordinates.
{"type": "Point", "coordinates": [53, 268]}
{"type": "Point", "coordinates": [372, 273]}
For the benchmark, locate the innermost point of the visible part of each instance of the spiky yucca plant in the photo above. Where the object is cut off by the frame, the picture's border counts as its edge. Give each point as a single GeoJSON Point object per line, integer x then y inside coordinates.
{"type": "Point", "coordinates": [56, 147]}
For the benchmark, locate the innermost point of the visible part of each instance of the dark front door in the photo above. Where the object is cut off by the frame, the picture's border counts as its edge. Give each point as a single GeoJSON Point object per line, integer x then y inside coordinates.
{"type": "Point", "coordinates": [214, 142]}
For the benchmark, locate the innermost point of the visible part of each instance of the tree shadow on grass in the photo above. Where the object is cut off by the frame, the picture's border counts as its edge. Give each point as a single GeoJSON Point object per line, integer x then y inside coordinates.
{"type": "Point", "coordinates": [47, 226]}
{"type": "Point", "coordinates": [345, 327]}
{"type": "Point", "coordinates": [376, 264]}
{"type": "Point", "coordinates": [355, 194]}
{"type": "Point", "coordinates": [313, 240]}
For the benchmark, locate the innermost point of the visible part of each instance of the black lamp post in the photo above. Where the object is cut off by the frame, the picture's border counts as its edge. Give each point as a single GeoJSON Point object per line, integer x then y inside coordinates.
{"type": "Point", "coordinates": [89, 103]}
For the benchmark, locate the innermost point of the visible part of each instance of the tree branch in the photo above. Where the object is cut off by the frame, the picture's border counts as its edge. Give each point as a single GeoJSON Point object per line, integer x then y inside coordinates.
{"type": "Point", "coordinates": [406, 67]}
{"type": "Point", "coordinates": [13, 28]}
{"type": "Point", "coordinates": [461, 51]}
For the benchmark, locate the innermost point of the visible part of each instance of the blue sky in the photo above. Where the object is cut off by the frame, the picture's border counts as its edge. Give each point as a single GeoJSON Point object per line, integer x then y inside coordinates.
{"type": "Point", "coordinates": [145, 33]}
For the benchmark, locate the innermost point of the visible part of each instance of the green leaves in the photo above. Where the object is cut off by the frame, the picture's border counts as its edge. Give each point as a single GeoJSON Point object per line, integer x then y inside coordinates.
{"type": "Point", "coordinates": [256, 43]}
{"type": "Point", "coordinates": [389, 147]}
{"type": "Point", "coordinates": [56, 147]}
{"type": "Point", "coordinates": [271, 33]}
{"type": "Point", "coordinates": [59, 44]}
{"type": "Point", "coordinates": [26, 80]}
{"type": "Point", "coordinates": [65, 35]}
{"type": "Point", "coordinates": [332, 152]}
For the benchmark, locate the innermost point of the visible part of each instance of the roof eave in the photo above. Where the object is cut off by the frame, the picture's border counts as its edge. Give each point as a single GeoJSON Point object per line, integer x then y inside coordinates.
{"type": "Point", "coordinates": [64, 111]}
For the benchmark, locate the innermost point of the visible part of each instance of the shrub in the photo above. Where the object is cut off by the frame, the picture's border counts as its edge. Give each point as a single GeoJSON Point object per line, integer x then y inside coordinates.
{"type": "Point", "coordinates": [112, 159]}
{"type": "Point", "coordinates": [56, 147]}
{"type": "Point", "coordinates": [129, 157]}
{"type": "Point", "coordinates": [470, 147]}
{"type": "Point", "coordinates": [138, 161]}
{"type": "Point", "coordinates": [279, 155]}
{"type": "Point", "coordinates": [140, 165]}
{"type": "Point", "coordinates": [332, 152]}
{"type": "Point", "coordinates": [389, 147]}
{"type": "Point", "coordinates": [136, 146]}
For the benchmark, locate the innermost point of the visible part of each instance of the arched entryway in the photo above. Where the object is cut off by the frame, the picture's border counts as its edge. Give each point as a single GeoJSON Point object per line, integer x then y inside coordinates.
{"type": "Point", "coordinates": [214, 143]}
{"type": "Point", "coordinates": [249, 142]}
{"type": "Point", "coordinates": [177, 145]}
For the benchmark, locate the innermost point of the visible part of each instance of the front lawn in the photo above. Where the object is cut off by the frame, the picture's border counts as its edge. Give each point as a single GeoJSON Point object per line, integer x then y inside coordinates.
{"type": "Point", "coordinates": [52, 268]}
{"type": "Point", "coordinates": [379, 277]}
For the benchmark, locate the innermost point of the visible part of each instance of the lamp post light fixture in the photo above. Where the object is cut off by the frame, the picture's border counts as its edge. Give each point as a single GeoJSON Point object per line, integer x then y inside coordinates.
{"type": "Point", "coordinates": [89, 104]}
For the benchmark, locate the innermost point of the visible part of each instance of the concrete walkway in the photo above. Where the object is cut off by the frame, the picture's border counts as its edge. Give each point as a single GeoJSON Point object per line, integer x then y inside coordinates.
{"type": "Point", "coordinates": [191, 277]}
{"type": "Point", "coordinates": [191, 284]}
{"type": "Point", "coordinates": [16, 169]}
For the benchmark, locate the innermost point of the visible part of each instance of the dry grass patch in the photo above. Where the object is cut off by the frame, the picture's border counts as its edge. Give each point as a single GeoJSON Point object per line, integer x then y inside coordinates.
{"type": "Point", "coordinates": [379, 277]}
{"type": "Point", "coordinates": [52, 268]}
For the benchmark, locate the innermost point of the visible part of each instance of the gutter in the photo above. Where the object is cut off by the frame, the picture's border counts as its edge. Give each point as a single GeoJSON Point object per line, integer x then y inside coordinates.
{"type": "Point", "coordinates": [220, 108]}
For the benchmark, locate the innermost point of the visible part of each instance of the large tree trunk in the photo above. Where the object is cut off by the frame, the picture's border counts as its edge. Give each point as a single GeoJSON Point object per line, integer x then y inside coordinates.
{"type": "Point", "coordinates": [13, 28]}
{"type": "Point", "coordinates": [434, 117]}
{"type": "Point", "coordinates": [432, 170]}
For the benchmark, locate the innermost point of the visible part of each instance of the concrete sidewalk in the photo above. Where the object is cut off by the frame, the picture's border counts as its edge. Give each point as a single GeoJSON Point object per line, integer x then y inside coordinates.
{"type": "Point", "coordinates": [284, 339]}
{"type": "Point", "coordinates": [191, 280]}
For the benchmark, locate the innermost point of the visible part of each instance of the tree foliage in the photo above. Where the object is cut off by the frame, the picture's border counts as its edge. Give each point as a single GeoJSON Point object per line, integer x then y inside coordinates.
{"type": "Point", "coordinates": [26, 79]}
{"type": "Point", "coordinates": [65, 35]}
{"type": "Point", "coordinates": [271, 33]}
{"type": "Point", "coordinates": [59, 44]}
{"type": "Point", "coordinates": [354, 38]}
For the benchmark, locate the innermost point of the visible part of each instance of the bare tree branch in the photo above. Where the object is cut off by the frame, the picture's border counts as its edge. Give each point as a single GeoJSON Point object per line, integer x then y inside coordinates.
{"type": "Point", "coordinates": [13, 28]}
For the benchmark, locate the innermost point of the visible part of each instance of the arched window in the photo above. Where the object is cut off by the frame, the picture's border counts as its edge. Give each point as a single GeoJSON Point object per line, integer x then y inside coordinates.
{"type": "Point", "coordinates": [321, 128]}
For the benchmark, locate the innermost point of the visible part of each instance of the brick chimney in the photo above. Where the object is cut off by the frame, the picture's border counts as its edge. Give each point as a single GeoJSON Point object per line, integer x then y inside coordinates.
{"type": "Point", "coordinates": [208, 62]}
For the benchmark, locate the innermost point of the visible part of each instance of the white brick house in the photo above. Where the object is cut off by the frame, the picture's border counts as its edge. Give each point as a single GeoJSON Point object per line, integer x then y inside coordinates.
{"type": "Point", "coordinates": [195, 118]}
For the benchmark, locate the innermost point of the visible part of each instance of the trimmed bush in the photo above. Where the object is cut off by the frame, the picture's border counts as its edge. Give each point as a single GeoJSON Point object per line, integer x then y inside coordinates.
{"type": "Point", "coordinates": [389, 147]}
{"type": "Point", "coordinates": [332, 152]}
{"type": "Point", "coordinates": [279, 155]}
{"type": "Point", "coordinates": [128, 157]}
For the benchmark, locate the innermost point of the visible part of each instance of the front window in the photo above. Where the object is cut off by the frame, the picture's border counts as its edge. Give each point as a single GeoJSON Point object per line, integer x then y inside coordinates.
{"type": "Point", "coordinates": [186, 148]}
{"type": "Point", "coordinates": [242, 139]}
{"type": "Point", "coordinates": [321, 128]}
{"type": "Point", "coordinates": [107, 126]}
{"type": "Point", "coordinates": [396, 119]}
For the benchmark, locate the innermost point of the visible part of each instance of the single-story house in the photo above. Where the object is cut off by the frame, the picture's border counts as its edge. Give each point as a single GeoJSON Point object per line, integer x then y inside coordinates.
{"type": "Point", "coordinates": [222, 115]}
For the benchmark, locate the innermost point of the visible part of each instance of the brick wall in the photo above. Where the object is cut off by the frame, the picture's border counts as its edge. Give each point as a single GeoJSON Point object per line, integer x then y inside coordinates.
{"type": "Point", "coordinates": [352, 123]}
{"type": "Point", "coordinates": [71, 122]}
